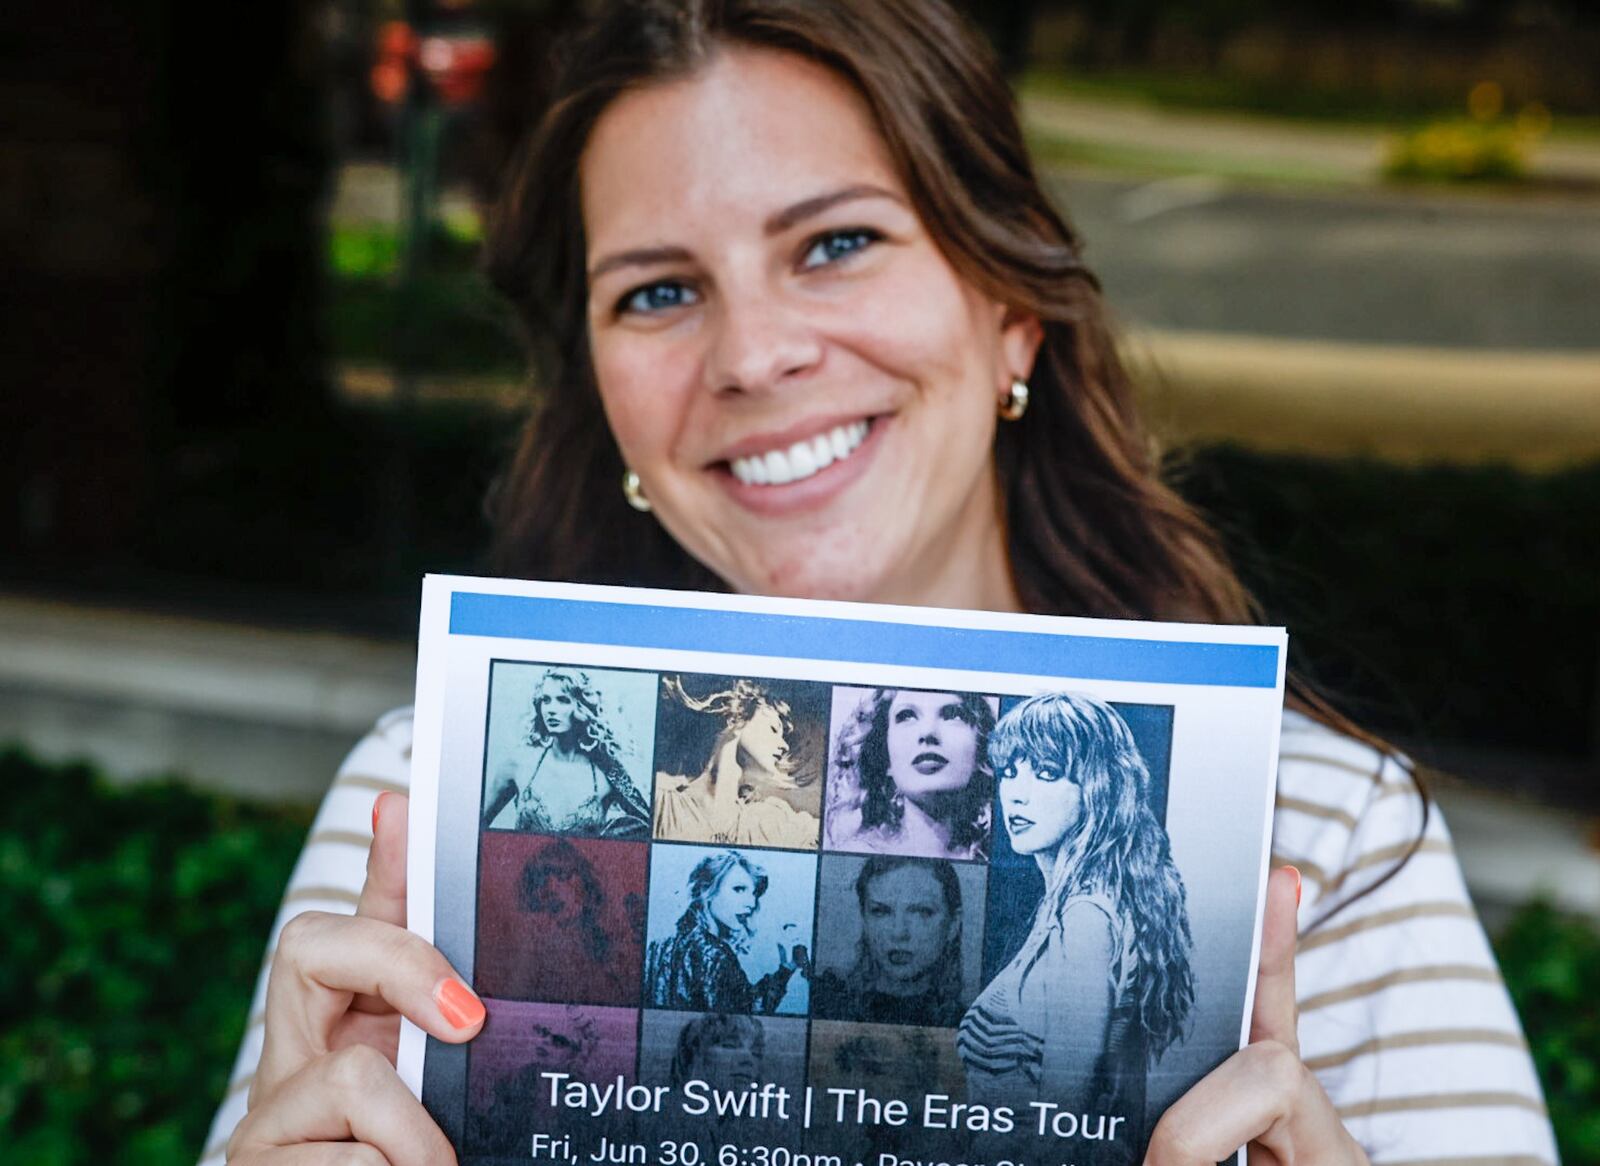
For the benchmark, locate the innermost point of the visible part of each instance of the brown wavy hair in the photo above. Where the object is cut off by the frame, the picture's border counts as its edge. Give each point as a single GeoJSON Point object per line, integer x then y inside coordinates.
{"type": "Point", "coordinates": [1092, 528]}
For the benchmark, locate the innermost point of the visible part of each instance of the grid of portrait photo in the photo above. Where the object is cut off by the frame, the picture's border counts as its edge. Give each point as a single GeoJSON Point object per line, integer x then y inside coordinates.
{"type": "Point", "coordinates": [742, 880]}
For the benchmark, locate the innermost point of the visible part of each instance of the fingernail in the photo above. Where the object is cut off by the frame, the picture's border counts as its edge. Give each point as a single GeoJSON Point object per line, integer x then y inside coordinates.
{"type": "Point", "coordinates": [460, 1007]}
{"type": "Point", "coordinates": [1296, 872]}
{"type": "Point", "coordinates": [376, 802]}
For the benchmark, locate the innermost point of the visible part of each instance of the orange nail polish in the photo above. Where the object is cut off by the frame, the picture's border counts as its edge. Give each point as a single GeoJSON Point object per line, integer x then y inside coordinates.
{"type": "Point", "coordinates": [376, 802]}
{"type": "Point", "coordinates": [1295, 871]}
{"type": "Point", "coordinates": [460, 1007]}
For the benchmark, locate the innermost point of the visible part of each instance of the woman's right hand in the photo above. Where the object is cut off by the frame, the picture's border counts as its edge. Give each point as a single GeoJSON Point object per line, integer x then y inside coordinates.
{"type": "Point", "coordinates": [338, 988]}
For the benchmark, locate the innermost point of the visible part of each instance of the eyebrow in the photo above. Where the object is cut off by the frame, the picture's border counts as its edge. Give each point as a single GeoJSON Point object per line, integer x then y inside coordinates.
{"type": "Point", "coordinates": [776, 224]}
{"type": "Point", "coordinates": [810, 207]}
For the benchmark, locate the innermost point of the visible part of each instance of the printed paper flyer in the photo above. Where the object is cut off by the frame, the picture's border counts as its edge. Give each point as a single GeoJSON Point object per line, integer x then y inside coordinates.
{"type": "Point", "coordinates": [760, 882]}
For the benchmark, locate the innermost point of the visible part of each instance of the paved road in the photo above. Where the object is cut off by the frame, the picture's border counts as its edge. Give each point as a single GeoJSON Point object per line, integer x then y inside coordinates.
{"type": "Point", "coordinates": [1197, 253]}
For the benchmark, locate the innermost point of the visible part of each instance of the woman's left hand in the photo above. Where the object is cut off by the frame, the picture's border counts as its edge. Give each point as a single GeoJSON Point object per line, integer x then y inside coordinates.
{"type": "Point", "coordinates": [1263, 1096]}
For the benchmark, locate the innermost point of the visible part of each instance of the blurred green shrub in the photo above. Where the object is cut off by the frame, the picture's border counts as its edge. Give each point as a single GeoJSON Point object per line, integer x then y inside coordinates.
{"type": "Point", "coordinates": [1452, 603]}
{"type": "Point", "coordinates": [1484, 147]}
{"type": "Point", "coordinates": [135, 922]}
{"type": "Point", "coordinates": [447, 320]}
{"type": "Point", "coordinates": [1552, 966]}
{"type": "Point", "coordinates": [1459, 151]}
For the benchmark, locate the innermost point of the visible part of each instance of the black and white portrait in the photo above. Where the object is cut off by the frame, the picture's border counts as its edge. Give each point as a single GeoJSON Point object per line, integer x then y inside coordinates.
{"type": "Point", "coordinates": [562, 754]}
{"type": "Point", "coordinates": [729, 930]}
{"type": "Point", "coordinates": [899, 939]}
{"type": "Point", "coordinates": [740, 761]}
{"type": "Point", "coordinates": [1101, 985]}
{"type": "Point", "coordinates": [909, 773]}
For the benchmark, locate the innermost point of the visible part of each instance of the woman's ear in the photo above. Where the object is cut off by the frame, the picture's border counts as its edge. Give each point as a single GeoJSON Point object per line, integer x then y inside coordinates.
{"type": "Point", "coordinates": [1021, 334]}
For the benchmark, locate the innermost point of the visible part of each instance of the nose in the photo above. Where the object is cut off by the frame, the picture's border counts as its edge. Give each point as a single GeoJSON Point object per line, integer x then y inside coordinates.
{"type": "Point", "coordinates": [760, 343]}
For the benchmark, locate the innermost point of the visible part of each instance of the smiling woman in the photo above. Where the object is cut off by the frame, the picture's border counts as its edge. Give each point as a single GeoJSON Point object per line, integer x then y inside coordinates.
{"type": "Point", "coordinates": [792, 279]}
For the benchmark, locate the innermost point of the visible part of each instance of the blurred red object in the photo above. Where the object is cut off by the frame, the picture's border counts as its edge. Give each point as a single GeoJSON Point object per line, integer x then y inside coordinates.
{"type": "Point", "coordinates": [391, 72]}
{"type": "Point", "coordinates": [457, 65]}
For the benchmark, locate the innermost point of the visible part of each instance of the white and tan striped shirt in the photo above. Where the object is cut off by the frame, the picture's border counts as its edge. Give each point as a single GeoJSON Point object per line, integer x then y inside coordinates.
{"type": "Point", "coordinates": [1403, 1016]}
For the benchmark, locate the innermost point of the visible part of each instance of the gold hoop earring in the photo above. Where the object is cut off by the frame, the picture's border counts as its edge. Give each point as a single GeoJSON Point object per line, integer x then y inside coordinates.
{"type": "Point", "coordinates": [1016, 402]}
{"type": "Point", "coordinates": [633, 490]}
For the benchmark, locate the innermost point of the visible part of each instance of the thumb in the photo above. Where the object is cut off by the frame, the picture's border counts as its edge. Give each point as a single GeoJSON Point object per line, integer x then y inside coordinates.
{"type": "Point", "coordinates": [1275, 1016]}
{"type": "Point", "coordinates": [383, 896]}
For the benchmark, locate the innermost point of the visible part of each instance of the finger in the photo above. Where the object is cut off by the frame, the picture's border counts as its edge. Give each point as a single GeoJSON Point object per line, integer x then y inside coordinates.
{"type": "Point", "coordinates": [351, 1094]}
{"type": "Point", "coordinates": [1260, 1093]}
{"type": "Point", "coordinates": [383, 896]}
{"type": "Point", "coordinates": [324, 960]}
{"type": "Point", "coordinates": [1274, 1015]}
{"type": "Point", "coordinates": [313, 1154]}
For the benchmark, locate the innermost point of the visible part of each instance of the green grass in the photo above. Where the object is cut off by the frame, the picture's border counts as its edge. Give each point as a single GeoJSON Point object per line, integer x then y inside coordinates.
{"type": "Point", "coordinates": [1051, 150]}
{"type": "Point", "coordinates": [1218, 94]}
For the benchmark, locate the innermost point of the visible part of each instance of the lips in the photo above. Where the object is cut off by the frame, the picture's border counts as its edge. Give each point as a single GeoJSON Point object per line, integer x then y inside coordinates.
{"type": "Point", "coordinates": [899, 957]}
{"type": "Point", "coordinates": [929, 762]}
{"type": "Point", "coordinates": [801, 459]}
{"type": "Point", "coordinates": [1016, 823]}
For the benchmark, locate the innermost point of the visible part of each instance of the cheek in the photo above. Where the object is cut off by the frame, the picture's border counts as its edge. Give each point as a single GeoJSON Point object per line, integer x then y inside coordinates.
{"type": "Point", "coordinates": [925, 323]}
{"type": "Point", "coordinates": [647, 390]}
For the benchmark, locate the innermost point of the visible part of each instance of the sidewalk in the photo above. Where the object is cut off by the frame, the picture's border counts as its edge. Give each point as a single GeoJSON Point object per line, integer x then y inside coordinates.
{"type": "Point", "coordinates": [268, 713]}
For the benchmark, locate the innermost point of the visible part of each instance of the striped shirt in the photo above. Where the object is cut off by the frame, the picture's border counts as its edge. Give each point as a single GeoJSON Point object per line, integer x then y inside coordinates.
{"type": "Point", "coordinates": [1403, 1016]}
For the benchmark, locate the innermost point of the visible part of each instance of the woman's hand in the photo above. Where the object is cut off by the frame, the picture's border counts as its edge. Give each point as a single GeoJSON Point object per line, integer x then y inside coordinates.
{"type": "Point", "coordinates": [338, 988]}
{"type": "Point", "coordinates": [1263, 1096]}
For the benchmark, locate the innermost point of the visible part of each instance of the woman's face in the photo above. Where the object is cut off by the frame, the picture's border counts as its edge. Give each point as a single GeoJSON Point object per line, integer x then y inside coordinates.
{"type": "Point", "coordinates": [730, 1062]}
{"type": "Point", "coordinates": [932, 747]}
{"type": "Point", "coordinates": [556, 709]}
{"type": "Point", "coordinates": [804, 384]}
{"type": "Point", "coordinates": [554, 1048]}
{"type": "Point", "coordinates": [763, 743]}
{"type": "Point", "coordinates": [906, 925]}
{"type": "Point", "coordinates": [1041, 807]}
{"type": "Point", "coordinates": [734, 899]}
{"type": "Point", "coordinates": [559, 893]}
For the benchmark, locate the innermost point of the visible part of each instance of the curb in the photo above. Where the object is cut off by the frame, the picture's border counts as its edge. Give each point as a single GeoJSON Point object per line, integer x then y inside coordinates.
{"type": "Point", "coordinates": [1412, 405]}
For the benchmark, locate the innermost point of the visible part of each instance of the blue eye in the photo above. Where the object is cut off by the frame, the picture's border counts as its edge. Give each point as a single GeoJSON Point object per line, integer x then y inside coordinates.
{"type": "Point", "coordinates": [837, 245]}
{"type": "Point", "coordinates": [657, 297]}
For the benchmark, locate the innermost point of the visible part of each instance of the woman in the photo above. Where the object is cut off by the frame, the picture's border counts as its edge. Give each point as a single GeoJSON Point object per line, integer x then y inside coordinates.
{"type": "Point", "coordinates": [911, 776]}
{"type": "Point", "coordinates": [722, 1049]}
{"type": "Point", "coordinates": [576, 782]}
{"type": "Point", "coordinates": [698, 967]}
{"type": "Point", "coordinates": [907, 968]}
{"type": "Point", "coordinates": [1101, 986]}
{"type": "Point", "coordinates": [564, 1040]}
{"type": "Point", "coordinates": [752, 237]}
{"type": "Point", "coordinates": [734, 800]}
{"type": "Point", "coordinates": [570, 943]}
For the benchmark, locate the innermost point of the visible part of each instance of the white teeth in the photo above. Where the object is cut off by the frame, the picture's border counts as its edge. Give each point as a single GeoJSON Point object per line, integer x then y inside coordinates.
{"type": "Point", "coordinates": [778, 467]}
{"type": "Point", "coordinates": [801, 460]}
{"type": "Point", "coordinates": [779, 471]}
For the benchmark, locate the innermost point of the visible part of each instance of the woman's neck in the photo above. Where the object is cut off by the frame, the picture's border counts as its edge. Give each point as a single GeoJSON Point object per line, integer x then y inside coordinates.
{"type": "Point", "coordinates": [923, 821]}
{"type": "Point", "coordinates": [914, 987]}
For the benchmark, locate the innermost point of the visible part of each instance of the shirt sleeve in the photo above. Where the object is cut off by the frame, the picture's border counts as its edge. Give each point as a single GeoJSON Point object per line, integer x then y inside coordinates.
{"type": "Point", "coordinates": [1403, 1015]}
{"type": "Point", "coordinates": [327, 877]}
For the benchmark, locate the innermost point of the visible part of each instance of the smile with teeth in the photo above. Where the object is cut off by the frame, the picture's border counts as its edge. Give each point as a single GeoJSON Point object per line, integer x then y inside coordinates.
{"type": "Point", "coordinates": [779, 467]}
